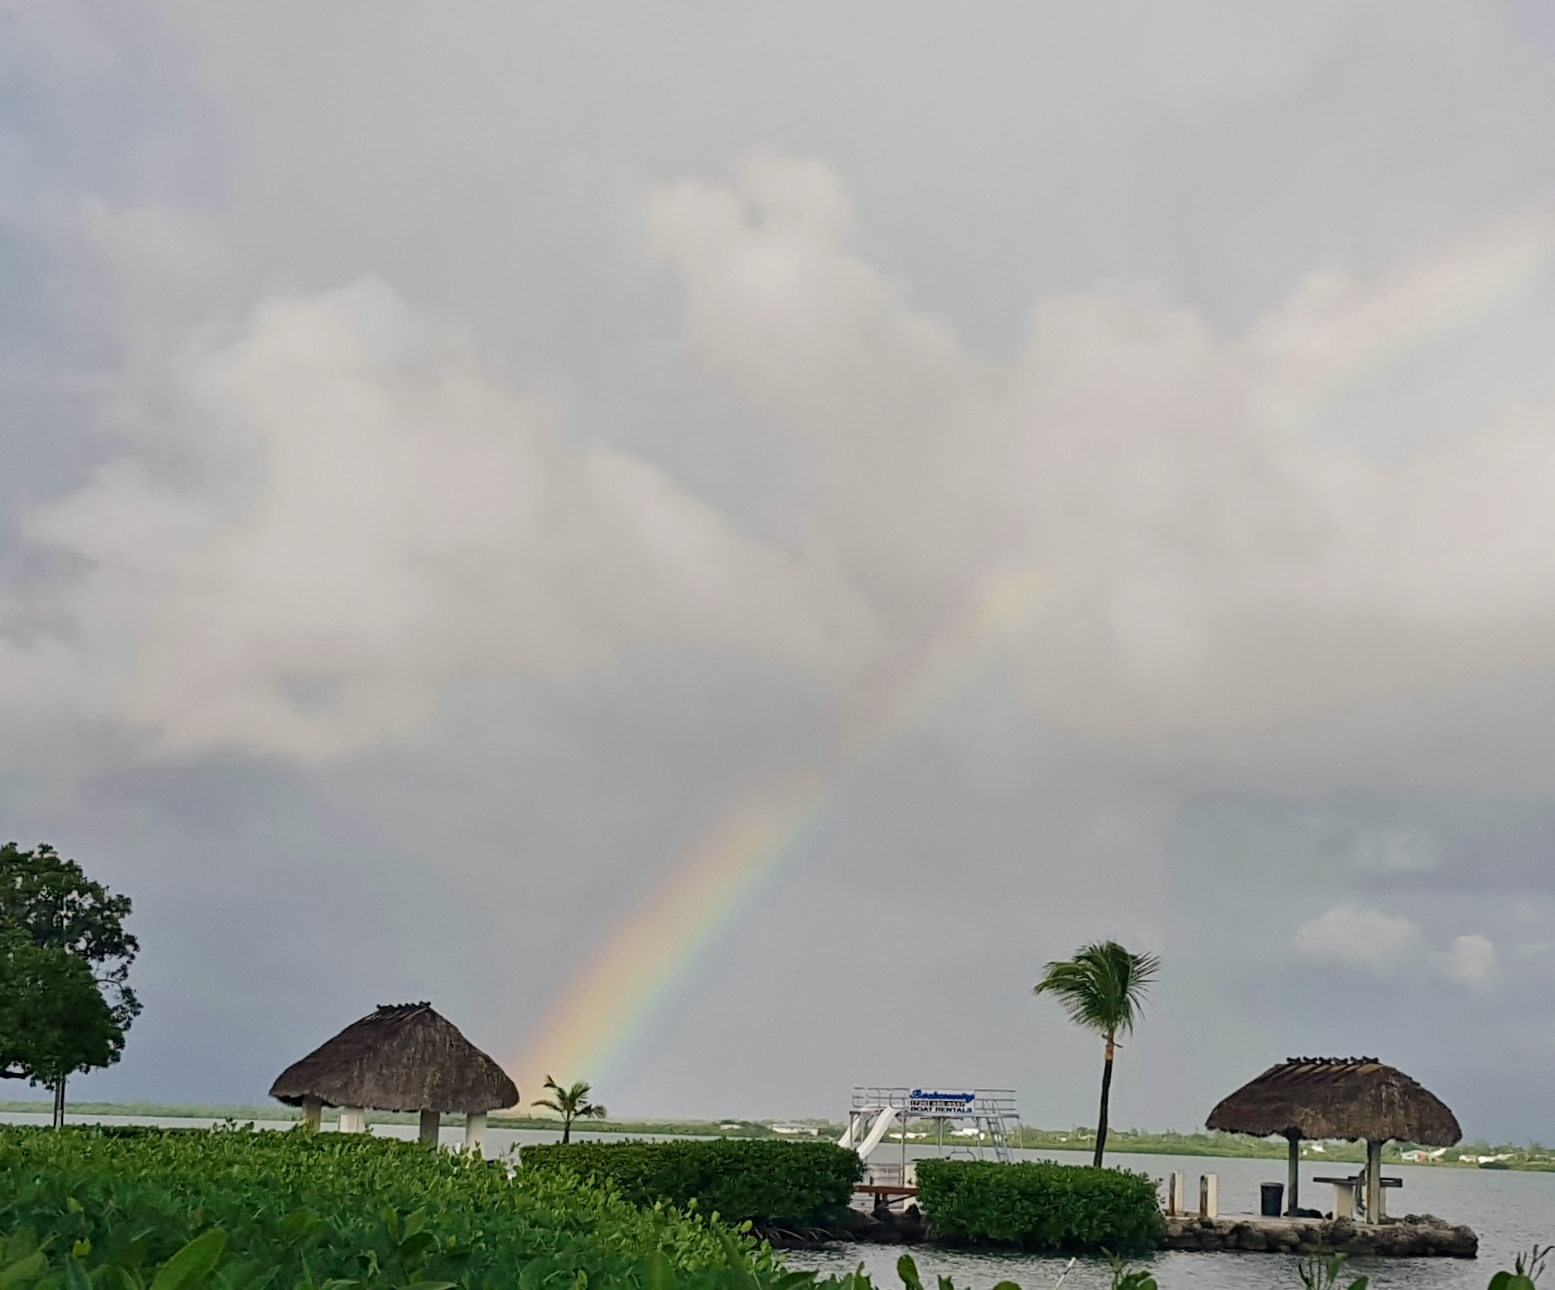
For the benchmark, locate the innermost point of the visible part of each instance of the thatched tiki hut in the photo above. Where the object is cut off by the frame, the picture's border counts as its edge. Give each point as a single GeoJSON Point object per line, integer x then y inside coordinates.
{"type": "Point", "coordinates": [1352, 1098]}
{"type": "Point", "coordinates": [403, 1057]}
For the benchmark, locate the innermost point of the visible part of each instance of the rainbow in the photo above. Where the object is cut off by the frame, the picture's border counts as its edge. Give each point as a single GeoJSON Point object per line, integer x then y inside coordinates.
{"type": "Point", "coordinates": [1428, 297]}
{"type": "Point", "coordinates": [1334, 344]}
{"type": "Point", "coordinates": [643, 958]}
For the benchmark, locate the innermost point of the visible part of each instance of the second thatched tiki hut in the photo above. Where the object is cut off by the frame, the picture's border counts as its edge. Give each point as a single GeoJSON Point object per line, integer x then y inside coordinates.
{"type": "Point", "coordinates": [1354, 1098]}
{"type": "Point", "coordinates": [403, 1057]}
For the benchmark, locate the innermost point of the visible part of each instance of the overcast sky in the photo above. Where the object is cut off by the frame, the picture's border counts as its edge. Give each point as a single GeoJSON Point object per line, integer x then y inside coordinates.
{"type": "Point", "coordinates": [453, 455]}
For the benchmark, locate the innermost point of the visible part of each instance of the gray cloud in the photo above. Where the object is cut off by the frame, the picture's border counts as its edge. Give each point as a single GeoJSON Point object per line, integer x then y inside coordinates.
{"type": "Point", "coordinates": [447, 460]}
{"type": "Point", "coordinates": [1209, 563]}
{"type": "Point", "coordinates": [384, 517]}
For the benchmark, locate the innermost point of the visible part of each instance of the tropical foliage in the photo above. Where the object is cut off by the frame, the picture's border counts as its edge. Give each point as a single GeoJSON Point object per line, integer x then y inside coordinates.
{"type": "Point", "coordinates": [571, 1103]}
{"type": "Point", "coordinates": [194, 1210]}
{"type": "Point", "coordinates": [54, 1020]}
{"type": "Point", "coordinates": [1102, 988]}
{"type": "Point", "coordinates": [311, 1208]}
{"type": "Point", "coordinates": [1039, 1205]}
{"type": "Point", "coordinates": [65, 999]}
{"type": "Point", "coordinates": [778, 1183]}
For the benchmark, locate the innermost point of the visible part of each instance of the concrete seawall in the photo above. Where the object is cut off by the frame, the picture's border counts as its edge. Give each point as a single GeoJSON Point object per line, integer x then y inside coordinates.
{"type": "Point", "coordinates": [1414, 1236]}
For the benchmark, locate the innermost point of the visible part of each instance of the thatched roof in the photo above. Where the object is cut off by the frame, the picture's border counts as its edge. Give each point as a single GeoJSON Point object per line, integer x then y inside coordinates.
{"type": "Point", "coordinates": [1337, 1097]}
{"type": "Point", "coordinates": [403, 1057]}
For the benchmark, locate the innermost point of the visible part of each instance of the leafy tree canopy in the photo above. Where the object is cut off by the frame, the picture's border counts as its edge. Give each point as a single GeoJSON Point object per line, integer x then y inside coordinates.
{"type": "Point", "coordinates": [571, 1104]}
{"type": "Point", "coordinates": [58, 907]}
{"type": "Point", "coordinates": [54, 1020]}
{"type": "Point", "coordinates": [1102, 988]}
{"type": "Point", "coordinates": [64, 962]}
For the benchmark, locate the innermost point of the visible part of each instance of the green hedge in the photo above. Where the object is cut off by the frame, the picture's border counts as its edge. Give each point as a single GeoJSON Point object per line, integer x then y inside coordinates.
{"type": "Point", "coordinates": [775, 1183]}
{"type": "Point", "coordinates": [1038, 1206]}
{"type": "Point", "coordinates": [301, 1209]}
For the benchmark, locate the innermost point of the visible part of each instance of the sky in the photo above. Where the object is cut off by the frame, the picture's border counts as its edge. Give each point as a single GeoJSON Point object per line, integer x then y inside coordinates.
{"type": "Point", "coordinates": [712, 541]}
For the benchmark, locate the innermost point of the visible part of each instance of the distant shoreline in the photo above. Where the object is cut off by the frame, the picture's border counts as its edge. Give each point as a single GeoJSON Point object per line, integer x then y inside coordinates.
{"type": "Point", "coordinates": [1125, 1141]}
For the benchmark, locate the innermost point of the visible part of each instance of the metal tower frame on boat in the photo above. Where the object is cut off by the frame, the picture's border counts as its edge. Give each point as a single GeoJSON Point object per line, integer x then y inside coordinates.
{"type": "Point", "coordinates": [876, 1107]}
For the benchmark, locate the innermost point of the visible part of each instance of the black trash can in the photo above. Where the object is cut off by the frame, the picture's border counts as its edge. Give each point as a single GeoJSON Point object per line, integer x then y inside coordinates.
{"type": "Point", "coordinates": [1271, 1199]}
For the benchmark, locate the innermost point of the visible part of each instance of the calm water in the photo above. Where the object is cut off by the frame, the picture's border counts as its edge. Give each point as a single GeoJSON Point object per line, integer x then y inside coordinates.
{"type": "Point", "coordinates": [1510, 1211]}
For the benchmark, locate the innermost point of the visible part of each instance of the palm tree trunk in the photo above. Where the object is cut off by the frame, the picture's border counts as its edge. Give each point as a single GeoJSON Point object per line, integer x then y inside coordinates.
{"type": "Point", "coordinates": [1106, 1093]}
{"type": "Point", "coordinates": [566, 1129]}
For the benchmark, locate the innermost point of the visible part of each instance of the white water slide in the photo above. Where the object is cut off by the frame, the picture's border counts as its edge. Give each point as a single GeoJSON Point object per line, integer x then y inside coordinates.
{"type": "Point", "coordinates": [877, 1130]}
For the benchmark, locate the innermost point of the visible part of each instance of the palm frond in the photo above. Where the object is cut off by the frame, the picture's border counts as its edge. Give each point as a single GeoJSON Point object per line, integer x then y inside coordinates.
{"type": "Point", "coordinates": [1103, 987]}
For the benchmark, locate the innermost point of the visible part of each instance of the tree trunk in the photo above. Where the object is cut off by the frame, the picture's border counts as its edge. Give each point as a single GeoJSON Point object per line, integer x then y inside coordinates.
{"type": "Point", "coordinates": [1106, 1093]}
{"type": "Point", "coordinates": [566, 1130]}
{"type": "Point", "coordinates": [59, 1102]}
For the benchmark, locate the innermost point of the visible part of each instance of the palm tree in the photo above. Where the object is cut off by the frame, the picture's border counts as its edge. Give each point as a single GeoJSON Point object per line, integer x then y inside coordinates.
{"type": "Point", "coordinates": [571, 1104]}
{"type": "Point", "coordinates": [1103, 989]}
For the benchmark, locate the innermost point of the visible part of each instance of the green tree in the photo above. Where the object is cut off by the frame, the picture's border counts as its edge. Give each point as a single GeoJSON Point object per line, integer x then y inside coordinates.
{"type": "Point", "coordinates": [54, 1020]}
{"type": "Point", "coordinates": [1102, 988]}
{"type": "Point", "coordinates": [571, 1104]}
{"type": "Point", "coordinates": [59, 930]}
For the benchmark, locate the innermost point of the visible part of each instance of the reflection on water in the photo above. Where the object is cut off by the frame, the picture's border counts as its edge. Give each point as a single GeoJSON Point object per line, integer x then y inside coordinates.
{"type": "Point", "coordinates": [1509, 1210]}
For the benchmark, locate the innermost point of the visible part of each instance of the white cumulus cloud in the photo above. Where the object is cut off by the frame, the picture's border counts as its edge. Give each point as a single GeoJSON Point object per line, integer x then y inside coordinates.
{"type": "Point", "coordinates": [1361, 937]}
{"type": "Point", "coordinates": [372, 514]}
{"type": "Point", "coordinates": [1368, 938]}
{"type": "Point", "coordinates": [1470, 959]}
{"type": "Point", "coordinates": [342, 509]}
{"type": "Point", "coordinates": [1210, 562]}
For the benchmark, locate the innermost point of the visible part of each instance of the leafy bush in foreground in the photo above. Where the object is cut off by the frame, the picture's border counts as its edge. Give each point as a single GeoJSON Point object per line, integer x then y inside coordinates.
{"type": "Point", "coordinates": [778, 1183]}
{"type": "Point", "coordinates": [202, 1264]}
{"type": "Point", "coordinates": [25, 1264]}
{"type": "Point", "coordinates": [312, 1208]}
{"type": "Point", "coordinates": [1038, 1205]}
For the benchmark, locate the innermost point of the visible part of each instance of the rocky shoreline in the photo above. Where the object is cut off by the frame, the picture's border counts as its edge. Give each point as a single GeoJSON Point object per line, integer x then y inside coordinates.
{"type": "Point", "coordinates": [882, 1227]}
{"type": "Point", "coordinates": [1413, 1236]}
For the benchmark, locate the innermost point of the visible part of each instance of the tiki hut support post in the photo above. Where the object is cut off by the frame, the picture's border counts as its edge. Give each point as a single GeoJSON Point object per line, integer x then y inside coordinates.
{"type": "Point", "coordinates": [353, 1119]}
{"type": "Point", "coordinates": [431, 1122]}
{"type": "Point", "coordinates": [1293, 1176]}
{"type": "Point", "coordinates": [312, 1112]}
{"type": "Point", "coordinates": [1373, 1180]}
{"type": "Point", "coordinates": [474, 1130]}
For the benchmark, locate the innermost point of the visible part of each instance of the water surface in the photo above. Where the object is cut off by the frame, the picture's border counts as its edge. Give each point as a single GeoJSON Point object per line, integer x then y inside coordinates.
{"type": "Point", "coordinates": [1509, 1210]}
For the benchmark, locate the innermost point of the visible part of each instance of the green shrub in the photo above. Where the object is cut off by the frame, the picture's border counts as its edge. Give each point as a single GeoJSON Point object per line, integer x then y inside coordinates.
{"type": "Point", "coordinates": [1039, 1205]}
{"type": "Point", "coordinates": [309, 1208]}
{"type": "Point", "coordinates": [205, 1263]}
{"type": "Point", "coordinates": [777, 1183]}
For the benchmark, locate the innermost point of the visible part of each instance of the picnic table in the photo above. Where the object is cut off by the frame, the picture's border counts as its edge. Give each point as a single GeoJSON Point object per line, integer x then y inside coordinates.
{"type": "Point", "coordinates": [1349, 1194]}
